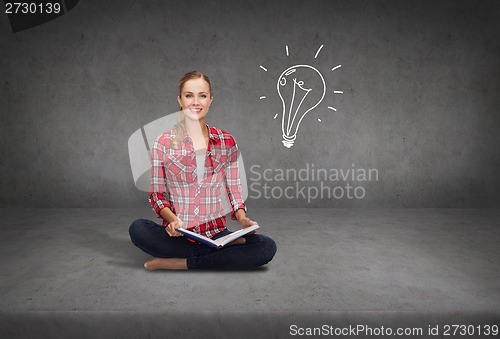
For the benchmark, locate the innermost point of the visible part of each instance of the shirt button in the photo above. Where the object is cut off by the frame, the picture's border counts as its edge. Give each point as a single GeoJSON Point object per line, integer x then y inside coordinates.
{"type": "Point", "coordinates": [196, 210]}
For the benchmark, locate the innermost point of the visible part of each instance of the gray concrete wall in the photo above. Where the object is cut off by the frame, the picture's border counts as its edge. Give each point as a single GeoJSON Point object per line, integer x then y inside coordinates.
{"type": "Point", "coordinates": [420, 103]}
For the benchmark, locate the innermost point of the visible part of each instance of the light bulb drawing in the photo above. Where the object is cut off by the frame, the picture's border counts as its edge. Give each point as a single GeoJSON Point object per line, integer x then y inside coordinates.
{"type": "Point", "coordinates": [301, 89]}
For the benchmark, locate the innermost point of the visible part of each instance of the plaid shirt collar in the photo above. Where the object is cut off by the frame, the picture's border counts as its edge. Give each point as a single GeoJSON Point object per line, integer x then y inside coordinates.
{"type": "Point", "coordinates": [212, 134]}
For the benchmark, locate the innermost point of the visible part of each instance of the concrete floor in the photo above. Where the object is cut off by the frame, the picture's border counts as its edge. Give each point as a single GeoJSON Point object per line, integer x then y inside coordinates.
{"type": "Point", "coordinates": [75, 273]}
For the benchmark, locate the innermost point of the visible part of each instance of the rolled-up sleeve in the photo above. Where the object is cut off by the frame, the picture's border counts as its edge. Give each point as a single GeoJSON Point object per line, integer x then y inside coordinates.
{"type": "Point", "coordinates": [233, 182]}
{"type": "Point", "coordinates": [158, 188]}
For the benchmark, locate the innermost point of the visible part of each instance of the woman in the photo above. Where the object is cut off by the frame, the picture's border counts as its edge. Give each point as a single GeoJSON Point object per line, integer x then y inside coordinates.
{"type": "Point", "coordinates": [193, 167]}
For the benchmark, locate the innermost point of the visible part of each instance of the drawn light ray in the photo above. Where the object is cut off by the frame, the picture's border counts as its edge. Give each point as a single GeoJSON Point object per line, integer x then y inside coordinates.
{"type": "Point", "coordinates": [319, 49]}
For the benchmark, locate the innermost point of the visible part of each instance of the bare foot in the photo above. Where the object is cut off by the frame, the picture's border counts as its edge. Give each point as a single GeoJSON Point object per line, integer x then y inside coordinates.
{"type": "Point", "coordinates": [237, 241]}
{"type": "Point", "coordinates": [166, 264]}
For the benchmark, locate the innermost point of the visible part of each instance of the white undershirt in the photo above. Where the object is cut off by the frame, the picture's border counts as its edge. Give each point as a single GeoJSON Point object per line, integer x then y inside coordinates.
{"type": "Point", "coordinates": [200, 167]}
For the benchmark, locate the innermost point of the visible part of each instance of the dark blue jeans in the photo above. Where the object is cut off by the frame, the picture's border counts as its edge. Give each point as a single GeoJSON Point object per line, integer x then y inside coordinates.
{"type": "Point", "coordinates": [152, 238]}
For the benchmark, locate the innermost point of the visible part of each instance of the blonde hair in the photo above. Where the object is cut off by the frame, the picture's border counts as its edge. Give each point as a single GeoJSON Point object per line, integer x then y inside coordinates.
{"type": "Point", "coordinates": [180, 127]}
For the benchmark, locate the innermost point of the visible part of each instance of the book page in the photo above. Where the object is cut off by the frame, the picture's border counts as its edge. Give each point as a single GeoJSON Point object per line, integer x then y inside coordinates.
{"type": "Point", "coordinates": [235, 235]}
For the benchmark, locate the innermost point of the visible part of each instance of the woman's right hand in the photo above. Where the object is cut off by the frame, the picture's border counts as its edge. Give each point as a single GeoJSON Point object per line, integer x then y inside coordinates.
{"type": "Point", "coordinates": [171, 228]}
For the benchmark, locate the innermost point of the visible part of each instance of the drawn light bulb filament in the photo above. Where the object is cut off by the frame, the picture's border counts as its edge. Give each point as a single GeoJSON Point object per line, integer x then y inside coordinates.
{"type": "Point", "coordinates": [306, 92]}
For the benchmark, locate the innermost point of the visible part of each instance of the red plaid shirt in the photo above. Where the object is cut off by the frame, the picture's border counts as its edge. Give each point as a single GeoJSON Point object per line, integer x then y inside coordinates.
{"type": "Point", "coordinates": [174, 181]}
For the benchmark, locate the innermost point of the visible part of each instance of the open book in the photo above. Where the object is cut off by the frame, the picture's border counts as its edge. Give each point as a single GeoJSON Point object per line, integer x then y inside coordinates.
{"type": "Point", "coordinates": [222, 241]}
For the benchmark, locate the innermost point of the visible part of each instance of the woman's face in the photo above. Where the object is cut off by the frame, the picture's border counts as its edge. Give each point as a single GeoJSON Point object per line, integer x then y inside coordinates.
{"type": "Point", "coordinates": [195, 98]}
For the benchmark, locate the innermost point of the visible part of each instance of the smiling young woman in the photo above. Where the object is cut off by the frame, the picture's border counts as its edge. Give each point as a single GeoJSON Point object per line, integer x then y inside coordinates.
{"type": "Point", "coordinates": [194, 167]}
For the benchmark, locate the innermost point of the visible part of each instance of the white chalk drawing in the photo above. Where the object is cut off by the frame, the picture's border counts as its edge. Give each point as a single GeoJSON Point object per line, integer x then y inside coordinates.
{"type": "Point", "coordinates": [304, 98]}
{"type": "Point", "coordinates": [319, 49]}
{"type": "Point", "coordinates": [301, 89]}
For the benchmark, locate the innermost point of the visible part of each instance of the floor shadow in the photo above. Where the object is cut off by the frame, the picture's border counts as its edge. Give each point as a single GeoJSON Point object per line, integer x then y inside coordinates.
{"type": "Point", "coordinates": [123, 253]}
